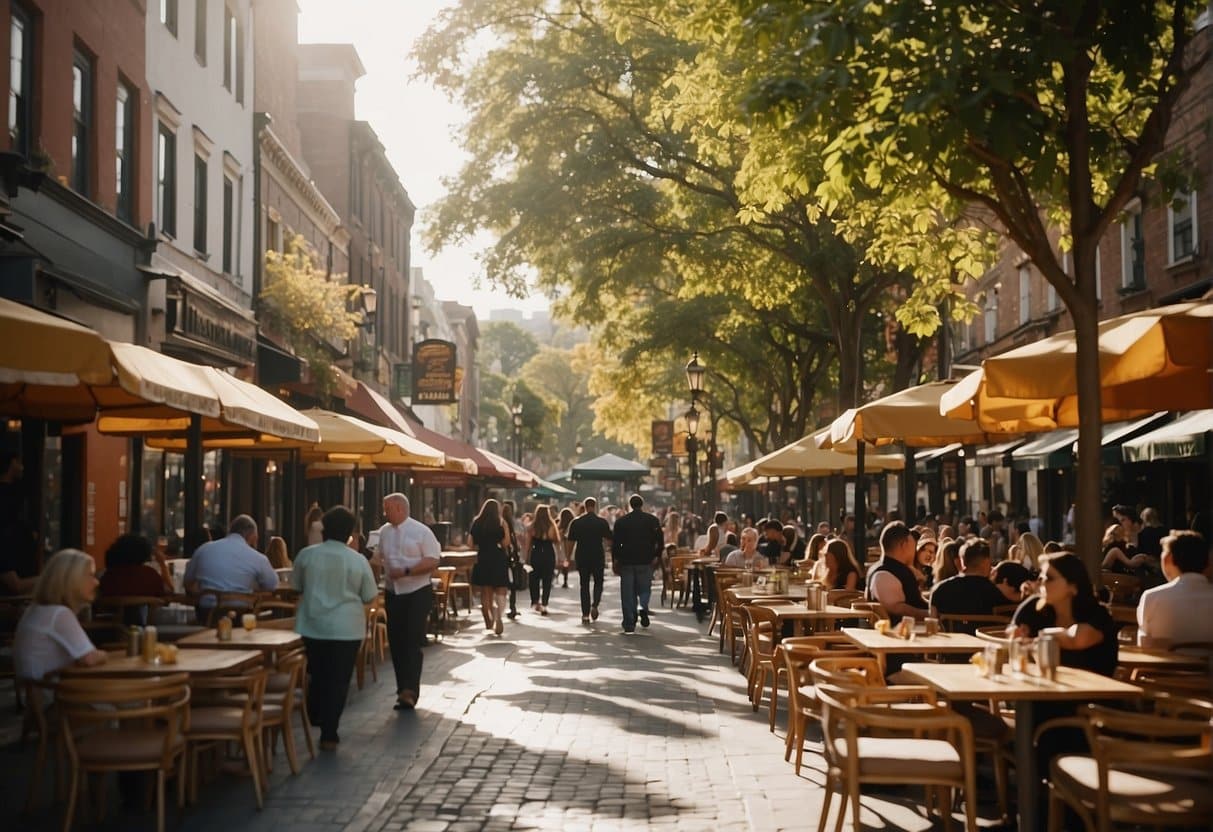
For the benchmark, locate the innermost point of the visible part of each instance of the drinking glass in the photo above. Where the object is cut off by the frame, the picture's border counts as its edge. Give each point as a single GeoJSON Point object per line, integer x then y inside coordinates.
{"type": "Point", "coordinates": [248, 621]}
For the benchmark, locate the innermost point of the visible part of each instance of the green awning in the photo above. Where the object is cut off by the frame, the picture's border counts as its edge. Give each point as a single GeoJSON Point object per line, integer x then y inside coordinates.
{"type": "Point", "coordinates": [999, 454]}
{"type": "Point", "coordinates": [1050, 450]}
{"type": "Point", "coordinates": [1185, 438]}
{"type": "Point", "coordinates": [609, 467]}
{"type": "Point", "coordinates": [1116, 434]}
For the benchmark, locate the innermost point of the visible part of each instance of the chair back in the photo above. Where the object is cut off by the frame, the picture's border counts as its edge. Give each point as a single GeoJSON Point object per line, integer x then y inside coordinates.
{"type": "Point", "coordinates": [445, 575]}
{"type": "Point", "coordinates": [226, 602]}
{"type": "Point", "coordinates": [1123, 588]}
{"type": "Point", "coordinates": [127, 610]}
{"type": "Point", "coordinates": [847, 671]}
{"type": "Point", "coordinates": [994, 633]}
{"type": "Point", "coordinates": [85, 705]}
{"type": "Point", "coordinates": [246, 690]}
{"type": "Point", "coordinates": [830, 643]}
{"type": "Point", "coordinates": [968, 624]}
{"type": "Point", "coordinates": [874, 607]}
{"type": "Point", "coordinates": [678, 566]}
{"type": "Point", "coordinates": [293, 664]}
{"type": "Point", "coordinates": [843, 597]}
{"type": "Point", "coordinates": [758, 621]}
{"type": "Point", "coordinates": [274, 608]}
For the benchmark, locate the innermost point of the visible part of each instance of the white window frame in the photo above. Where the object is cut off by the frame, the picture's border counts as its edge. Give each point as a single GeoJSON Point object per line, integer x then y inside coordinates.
{"type": "Point", "coordinates": [1172, 258]}
{"type": "Point", "coordinates": [991, 316]}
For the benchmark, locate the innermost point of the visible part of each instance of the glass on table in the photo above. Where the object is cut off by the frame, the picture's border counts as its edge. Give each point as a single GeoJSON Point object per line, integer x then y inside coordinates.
{"type": "Point", "coordinates": [248, 621]}
{"type": "Point", "coordinates": [1020, 654]}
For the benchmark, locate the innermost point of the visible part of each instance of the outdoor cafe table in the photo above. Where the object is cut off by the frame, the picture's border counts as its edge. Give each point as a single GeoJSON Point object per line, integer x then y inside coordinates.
{"type": "Point", "coordinates": [882, 645]}
{"type": "Point", "coordinates": [799, 613]}
{"type": "Point", "coordinates": [746, 594]}
{"type": "Point", "coordinates": [266, 640]}
{"type": "Point", "coordinates": [1133, 659]}
{"type": "Point", "coordinates": [960, 682]}
{"type": "Point", "coordinates": [193, 662]}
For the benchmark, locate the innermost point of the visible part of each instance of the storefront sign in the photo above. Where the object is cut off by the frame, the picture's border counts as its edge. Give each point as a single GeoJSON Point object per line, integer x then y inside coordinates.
{"type": "Point", "coordinates": [679, 444]}
{"type": "Point", "coordinates": [439, 479]}
{"type": "Point", "coordinates": [663, 438]}
{"type": "Point", "coordinates": [434, 376]}
{"type": "Point", "coordinates": [196, 321]}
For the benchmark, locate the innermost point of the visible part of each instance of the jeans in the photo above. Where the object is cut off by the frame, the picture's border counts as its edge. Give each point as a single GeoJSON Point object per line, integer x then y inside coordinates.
{"type": "Point", "coordinates": [406, 620]}
{"type": "Point", "coordinates": [330, 665]}
{"type": "Point", "coordinates": [543, 569]}
{"type": "Point", "coordinates": [635, 583]}
{"type": "Point", "coordinates": [587, 570]}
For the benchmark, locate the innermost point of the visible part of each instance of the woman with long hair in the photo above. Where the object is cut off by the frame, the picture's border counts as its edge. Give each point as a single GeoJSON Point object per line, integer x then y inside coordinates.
{"type": "Point", "coordinates": [544, 542]}
{"type": "Point", "coordinates": [491, 572]}
{"type": "Point", "coordinates": [947, 560]}
{"type": "Point", "coordinates": [565, 520]}
{"type": "Point", "coordinates": [275, 550]}
{"type": "Point", "coordinates": [813, 557]}
{"type": "Point", "coordinates": [313, 528]}
{"type": "Point", "coordinates": [512, 551]}
{"type": "Point", "coordinates": [1118, 554]}
{"type": "Point", "coordinates": [841, 570]}
{"type": "Point", "coordinates": [49, 636]}
{"type": "Point", "coordinates": [1027, 550]}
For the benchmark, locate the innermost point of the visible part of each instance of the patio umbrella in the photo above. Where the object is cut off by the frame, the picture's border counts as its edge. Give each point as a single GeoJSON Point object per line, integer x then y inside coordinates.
{"type": "Point", "coordinates": [911, 417]}
{"type": "Point", "coordinates": [611, 468]}
{"type": "Point", "coordinates": [803, 458]}
{"type": "Point", "coordinates": [1150, 360]}
{"type": "Point", "coordinates": [41, 349]}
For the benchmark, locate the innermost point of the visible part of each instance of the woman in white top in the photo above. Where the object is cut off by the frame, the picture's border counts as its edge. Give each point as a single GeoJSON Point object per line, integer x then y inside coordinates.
{"type": "Point", "coordinates": [49, 636]}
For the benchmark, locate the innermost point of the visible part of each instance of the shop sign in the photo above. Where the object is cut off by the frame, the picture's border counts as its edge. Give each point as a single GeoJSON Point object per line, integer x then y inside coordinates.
{"type": "Point", "coordinates": [434, 372]}
{"type": "Point", "coordinates": [663, 438]}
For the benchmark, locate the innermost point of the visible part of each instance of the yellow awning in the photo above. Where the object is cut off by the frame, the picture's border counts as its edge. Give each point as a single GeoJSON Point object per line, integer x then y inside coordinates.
{"type": "Point", "coordinates": [38, 348]}
{"type": "Point", "coordinates": [803, 458]}
{"type": "Point", "coordinates": [911, 417]}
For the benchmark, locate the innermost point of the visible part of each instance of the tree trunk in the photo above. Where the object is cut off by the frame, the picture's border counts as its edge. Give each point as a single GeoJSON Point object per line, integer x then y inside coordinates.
{"type": "Point", "coordinates": [1088, 522]}
{"type": "Point", "coordinates": [850, 362]}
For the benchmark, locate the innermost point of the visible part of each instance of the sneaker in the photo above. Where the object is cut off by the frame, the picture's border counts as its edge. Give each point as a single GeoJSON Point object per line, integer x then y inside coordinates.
{"type": "Point", "coordinates": [585, 619]}
{"type": "Point", "coordinates": [644, 618]}
{"type": "Point", "coordinates": [629, 630]}
{"type": "Point", "coordinates": [537, 607]}
{"type": "Point", "coordinates": [594, 613]}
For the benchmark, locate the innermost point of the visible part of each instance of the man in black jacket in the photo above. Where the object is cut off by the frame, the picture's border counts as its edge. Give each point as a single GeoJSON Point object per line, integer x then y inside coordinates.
{"type": "Point", "coordinates": [891, 581]}
{"type": "Point", "coordinates": [636, 544]}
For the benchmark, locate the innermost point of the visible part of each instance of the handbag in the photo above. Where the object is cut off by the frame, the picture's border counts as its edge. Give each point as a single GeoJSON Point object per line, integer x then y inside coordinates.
{"type": "Point", "coordinates": [518, 576]}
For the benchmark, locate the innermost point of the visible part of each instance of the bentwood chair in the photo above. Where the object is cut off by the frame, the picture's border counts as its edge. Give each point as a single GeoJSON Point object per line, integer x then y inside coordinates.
{"type": "Point", "coordinates": [278, 708]}
{"type": "Point", "coordinates": [1142, 770]}
{"type": "Point", "coordinates": [124, 725]}
{"type": "Point", "coordinates": [42, 719]}
{"type": "Point", "coordinates": [228, 711]}
{"type": "Point", "coordinates": [760, 637]}
{"type": "Point", "coordinates": [798, 654]}
{"type": "Point", "coordinates": [869, 738]}
{"type": "Point", "coordinates": [280, 682]}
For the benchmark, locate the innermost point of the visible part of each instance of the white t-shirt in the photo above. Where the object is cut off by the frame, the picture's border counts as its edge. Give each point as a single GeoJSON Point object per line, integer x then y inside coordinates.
{"type": "Point", "coordinates": [48, 639]}
{"type": "Point", "coordinates": [405, 546]}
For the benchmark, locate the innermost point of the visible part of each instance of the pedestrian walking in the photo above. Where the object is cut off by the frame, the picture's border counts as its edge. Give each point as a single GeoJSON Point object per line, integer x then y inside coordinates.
{"type": "Point", "coordinates": [409, 553]}
{"type": "Point", "coordinates": [491, 572]}
{"type": "Point", "coordinates": [636, 544]}
{"type": "Point", "coordinates": [566, 520]}
{"type": "Point", "coordinates": [335, 583]}
{"type": "Point", "coordinates": [513, 552]}
{"type": "Point", "coordinates": [541, 555]}
{"type": "Point", "coordinates": [587, 534]}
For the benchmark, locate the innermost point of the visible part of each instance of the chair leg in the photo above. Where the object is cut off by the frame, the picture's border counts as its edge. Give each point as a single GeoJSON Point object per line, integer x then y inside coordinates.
{"type": "Point", "coordinates": [774, 698]}
{"type": "Point", "coordinates": [254, 764]}
{"type": "Point", "coordinates": [800, 747]}
{"type": "Point", "coordinates": [181, 774]}
{"type": "Point", "coordinates": [35, 783]}
{"type": "Point", "coordinates": [1055, 811]}
{"type": "Point", "coordinates": [307, 727]}
{"type": "Point", "coordinates": [943, 797]}
{"type": "Point", "coordinates": [854, 789]}
{"type": "Point", "coordinates": [73, 791]}
{"type": "Point", "coordinates": [288, 741]}
{"type": "Point", "coordinates": [160, 800]}
{"type": "Point", "coordinates": [1000, 785]}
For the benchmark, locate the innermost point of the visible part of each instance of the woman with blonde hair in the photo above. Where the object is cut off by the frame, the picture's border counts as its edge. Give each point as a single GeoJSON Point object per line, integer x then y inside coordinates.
{"type": "Point", "coordinates": [541, 555]}
{"type": "Point", "coordinates": [1027, 550]}
{"type": "Point", "coordinates": [276, 551]}
{"type": "Point", "coordinates": [947, 560]}
{"type": "Point", "coordinates": [49, 636]}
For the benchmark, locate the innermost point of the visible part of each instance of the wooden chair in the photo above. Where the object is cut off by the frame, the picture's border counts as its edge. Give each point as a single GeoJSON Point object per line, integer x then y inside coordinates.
{"type": "Point", "coordinates": [367, 657]}
{"type": "Point", "coordinates": [277, 624]}
{"type": "Point", "coordinates": [280, 705]}
{"type": "Point", "coordinates": [272, 608]}
{"type": "Point", "coordinates": [127, 610]}
{"type": "Point", "coordinates": [1193, 683]}
{"type": "Point", "coordinates": [1123, 588]}
{"type": "Point", "coordinates": [968, 624]}
{"type": "Point", "coordinates": [438, 611]}
{"type": "Point", "coordinates": [680, 580]}
{"type": "Point", "coordinates": [1142, 770]}
{"type": "Point", "coordinates": [720, 583]}
{"type": "Point", "coordinates": [868, 739]}
{"type": "Point", "coordinates": [843, 597]}
{"type": "Point", "coordinates": [124, 725]}
{"type": "Point", "coordinates": [874, 607]}
{"type": "Point", "coordinates": [798, 653]}
{"type": "Point", "coordinates": [42, 719]}
{"type": "Point", "coordinates": [276, 686]}
{"type": "Point", "coordinates": [760, 624]}
{"type": "Point", "coordinates": [994, 633]}
{"type": "Point", "coordinates": [461, 584]}
{"type": "Point", "coordinates": [227, 602]}
{"type": "Point", "coordinates": [229, 711]}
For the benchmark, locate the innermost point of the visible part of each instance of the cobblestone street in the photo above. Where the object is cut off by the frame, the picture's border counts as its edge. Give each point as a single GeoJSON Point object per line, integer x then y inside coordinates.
{"type": "Point", "coordinates": [557, 725]}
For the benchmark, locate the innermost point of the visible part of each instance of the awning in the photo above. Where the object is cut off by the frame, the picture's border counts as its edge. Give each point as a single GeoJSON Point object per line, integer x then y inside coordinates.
{"type": "Point", "coordinates": [43, 349]}
{"type": "Point", "coordinates": [999, 454]}
{"type": "Point", "coordinates": [803, 458]}
{"type": "Point", "coordinates": [1185, 438]}
{"type": "Point", "coordinates": [1115, 434]}
{"type": "Point", "coordinates": [932, 454]}
{"type": "Point", "coordinates": [516, 472]}
{"type": "Point", "coordinates": [1051, 450]}
{"type": "Point", "coordinates": [370, 404]}
{"type": "Point", "coordinates": [460, 456]}
{"type": "Point", "coordinates": [552, 490]}
{"type": "Point", "coordinates": [610, 467]}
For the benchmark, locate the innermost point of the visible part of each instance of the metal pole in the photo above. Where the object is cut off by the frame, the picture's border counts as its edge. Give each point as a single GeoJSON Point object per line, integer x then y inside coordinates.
{"type": "Point", "coordinates": [861, 517]}
{"type": "Point", "coordinates": [193, 477]}
{"type": "Point", "coordinates": [909, 488]}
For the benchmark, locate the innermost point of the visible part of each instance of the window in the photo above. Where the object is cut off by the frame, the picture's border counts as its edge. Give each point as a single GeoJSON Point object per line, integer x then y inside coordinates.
{"type": "Point", "coordinates": [200, 204]}
{"type": "Point", "coordinates": [233, 54]}
{"type": "Point", "coordinates": [168, 15]}
{"type": "Point", "coordinates": [82, 120]}
{"type": "Point", "coordinates": [272, 232]}
{"type": "Point", "coordinates": [1132, 249]}
{"type": "Point", "coordinates": [1051, 292]}
{"type": "Point", "coordinates": [1025, 294]}
{"type": "Point", "coordinates": [229, 216]}
{"type": "Point", "coordinates": [200, 31]}
{"type": "Point", "coordinates": [1181, 215]}
{"type": "Point", "coordinates": [20, 80]}
{"type": "Point", "coordinates": [124, 149]}
{"type": "Point", "coordinates": [991, 317]}
{"type": "Point", "coordinates": [166, 179]}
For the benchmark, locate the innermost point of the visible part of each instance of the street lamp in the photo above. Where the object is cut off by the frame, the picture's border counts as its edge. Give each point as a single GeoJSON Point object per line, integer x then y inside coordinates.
{"type": "Point", "coordinates": [692, 417]}
{"type": "Point", "coordinates": [695, 374]}
{"type": "Point", "coordinates": [516, 412]}
{"type": "Point", "coordinates": [578, 449]}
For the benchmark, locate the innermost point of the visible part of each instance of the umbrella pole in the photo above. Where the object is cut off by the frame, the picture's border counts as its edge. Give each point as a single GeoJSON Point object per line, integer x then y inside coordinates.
{"type": "Point", "coordinates": [861, 515]}
{"type": "Point", "coordinates": [193, 477]}
{"type": "Point", "coordinates": [909, 483]}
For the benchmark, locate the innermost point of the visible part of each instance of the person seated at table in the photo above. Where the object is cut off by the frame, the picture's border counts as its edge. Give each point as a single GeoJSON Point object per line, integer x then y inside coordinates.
{"type": "Point", "coordinates": [971, 592]}
{"type": "Point", "coordinates": [49, 636]}
{"type": "Point", "coordinates": [335, 583]}
{"type": "Point", "coordinates": [277, 554]}
{"type": "Point", "coordinates": [128, 571]}
{"type": "Point", "coordinates": [794, 544]}
{"type": "Point", "coordinates": [748, 556]}
{"type": "Point", "coordinates": [1027, 550]}
{"type": "Point", "coordinates": [924, 559]}
{"type": "Point", "coordinates": [1086, 631]}
{"type": "Point", "coordinates": [772, 544]}
{"type": "Point", "coordinates": [232, 564]}
{"type": "Point", "coordinates": [1178, 611]}
{"type": "Point", "coordinates": [1118, 554]}
{"type": "Point", "coordinates": [730, 546]}
{"type": "Point", "coordinates": [1151, 533]}
{"type": "Point", "coordinates": [813, 551]}
{"type": "Point", "coordinates": [1011, 579]}
{"type": "Point", "coordinates": [840, 569]}
{"type": "Point", "coordinates": [947, 560]}
{"type": "Point", "coordinates": [714, 542]}
{"type": "Point", "coordinates": [890, 581]}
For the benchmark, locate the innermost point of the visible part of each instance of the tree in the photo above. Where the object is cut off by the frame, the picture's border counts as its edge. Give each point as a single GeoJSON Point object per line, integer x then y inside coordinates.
{"type": "Point", "coordinates": [561, 378]}
{"type": "Point", "coordinates": [591, 164]}
{"type": "Point", "coordinates": [309, 311]}
{"type": "Point", "coordinates": [505, 347]}
{"type": "Point", "coordinates": [1026, 117]}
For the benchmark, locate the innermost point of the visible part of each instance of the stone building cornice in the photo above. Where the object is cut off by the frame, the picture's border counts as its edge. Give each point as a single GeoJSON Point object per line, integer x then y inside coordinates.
{"type": "Point", "coordinates": [281, 161]}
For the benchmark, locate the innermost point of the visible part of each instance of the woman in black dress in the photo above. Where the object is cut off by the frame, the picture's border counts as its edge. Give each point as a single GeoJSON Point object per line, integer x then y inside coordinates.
{"type": "Point", "coordinates": [566, 520]}
{"type": "Point", "coordinates": [541, 554]}
{"type": "Point", "coordinates": [491, 572]}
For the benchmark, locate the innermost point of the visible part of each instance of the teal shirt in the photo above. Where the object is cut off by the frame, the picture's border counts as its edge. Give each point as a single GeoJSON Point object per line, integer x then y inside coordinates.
{"type": "Point", "coordinates": [335, 583]}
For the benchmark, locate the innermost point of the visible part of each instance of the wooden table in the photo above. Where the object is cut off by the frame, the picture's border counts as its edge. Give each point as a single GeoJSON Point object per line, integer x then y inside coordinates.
{"type": "Point", "coordinates": [458, 558]}
{"type": "Point", "coordinates": [881, 646]}
{"type": "Point", "coordinates": [263, 639]}
{"type": "Point", "coordinates": [799, 613]}
{"type": "Point", "coordinates": [961, 682]}
{"type": "Point", "coordinates": [1134, 658]}
{"type": "Point", "coordinates": [746, 594]}
{"type": "Point", "coordinates": [193, 662]}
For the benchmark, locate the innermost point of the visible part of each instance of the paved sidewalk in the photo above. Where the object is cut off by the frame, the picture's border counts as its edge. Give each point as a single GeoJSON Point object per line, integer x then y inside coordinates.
{"type": "Point", "coordinates": [555, 725]}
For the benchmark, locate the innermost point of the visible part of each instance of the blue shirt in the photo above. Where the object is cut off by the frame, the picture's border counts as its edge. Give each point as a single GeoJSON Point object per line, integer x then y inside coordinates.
{"type": "Point", "coordinates": [230, 565]}
{"type": "Point", "coordinates": [336, 582]}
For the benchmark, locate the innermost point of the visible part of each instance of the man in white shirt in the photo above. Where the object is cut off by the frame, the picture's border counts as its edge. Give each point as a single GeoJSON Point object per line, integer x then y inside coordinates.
{"type": "Point", "coordinates": [1178, 611]}
{"type": "Point", "coordinates": [408, 552]}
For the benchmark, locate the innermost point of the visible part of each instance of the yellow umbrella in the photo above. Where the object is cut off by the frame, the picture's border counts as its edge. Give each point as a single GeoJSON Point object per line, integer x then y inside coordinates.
{"type": "Point", "coordinates": [911, 417]}
{"type": "Point", "coordinates": [803, 458]}
{"type": "Point", "coordinates": [41, 349]}
{"type": "Point", "coordinates": [1158, 358]}
{"type": "Point", "coordinates": [348, 439]}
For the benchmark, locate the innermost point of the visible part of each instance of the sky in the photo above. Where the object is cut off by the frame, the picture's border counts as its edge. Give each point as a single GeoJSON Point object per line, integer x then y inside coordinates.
{"type": "Point", "coordinates": [417, 124]}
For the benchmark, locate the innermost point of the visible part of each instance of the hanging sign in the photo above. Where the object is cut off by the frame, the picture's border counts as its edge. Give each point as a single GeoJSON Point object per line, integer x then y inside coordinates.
{"type": "Point", "coordinates": [434, 372]}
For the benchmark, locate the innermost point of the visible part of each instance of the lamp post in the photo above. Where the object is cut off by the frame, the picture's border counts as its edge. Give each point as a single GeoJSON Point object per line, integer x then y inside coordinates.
{"type": "Point", "coordinates": [692, 417]}
{"type": "Point", "coordinates": [516, 412]}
